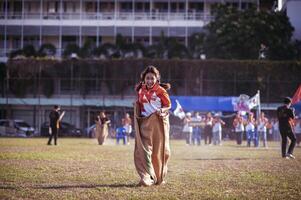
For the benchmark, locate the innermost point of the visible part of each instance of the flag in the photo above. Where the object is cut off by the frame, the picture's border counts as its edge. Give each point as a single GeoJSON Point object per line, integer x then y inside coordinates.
{"type": "Point", "coordinates": [297, 96]}
{"type": "Point", "coordinates": [241, 103]}
{"type": "Point", "coordinates": [253, 101]}
{"type": "Point", "coordinates": [179, 112]}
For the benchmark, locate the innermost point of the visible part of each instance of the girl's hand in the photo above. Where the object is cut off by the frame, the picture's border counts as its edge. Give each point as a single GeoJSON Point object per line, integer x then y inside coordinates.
{"type": "Point", "coordinates": [159, 111]}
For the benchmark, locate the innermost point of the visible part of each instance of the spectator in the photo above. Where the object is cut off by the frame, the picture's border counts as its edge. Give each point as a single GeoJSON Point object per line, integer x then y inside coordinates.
{"type": "Point", "coordinates": [217, 130]}
{"type": "Point", "coordinates": [121, 134]}
{"type": "Point", "coordinates": [250, 130]}
{"type": "Point", "coordinates": [127, 124]}
{"type": "Point", "coordinates": [196, 131]}
{"type": "Point", "coordinates": [262, 130]}
{"type": "Point", "coordinates": [286, 115]}
{"type": "Point", "coordinates": [238, 124]}
{"type": "Point", "coordinates": [275, 130]}
{"type": "Point", "coordinates": [55, 118]}
{"type": "Point", "coordinates": [298, 131]}
{"type": "Point", "coordinates": [208, 128]}
{"type": "Point", "coordinates": [187, 129]}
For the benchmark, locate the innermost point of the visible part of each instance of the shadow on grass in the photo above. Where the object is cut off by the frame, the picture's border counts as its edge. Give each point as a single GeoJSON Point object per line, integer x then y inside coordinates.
{"type": "Point", "coordinates": [86, 186]}
{"type": "Point", "coordinates": [226, 159]}
{"type": "Point", "coordinates": [7, 187]}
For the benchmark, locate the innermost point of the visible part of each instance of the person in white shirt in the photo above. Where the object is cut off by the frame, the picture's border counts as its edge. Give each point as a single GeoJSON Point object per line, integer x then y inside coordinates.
{"type": "Point", "coordinates": [250, 130]}
{"type": "Point", "coordinates": [187, 129]}
{"type": "Point", "coordinates": [262, 130]}
{"type": "Point", "coordinates": [275, 130]}
{"type": "Point", "coordinates": [196, 129]}
{"type": "Point", "coordinates": [239, 128]}
{"type": "Point", "coordinates": [298, 131]}
{"type": "Point", "coordinates": [217, 130]}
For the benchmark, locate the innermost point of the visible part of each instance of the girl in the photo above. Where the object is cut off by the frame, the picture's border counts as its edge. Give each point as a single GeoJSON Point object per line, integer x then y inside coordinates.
{"type": "Point", "coordinates": [102, 129]}
{"type": "Point", "coordinates": [152, 149]}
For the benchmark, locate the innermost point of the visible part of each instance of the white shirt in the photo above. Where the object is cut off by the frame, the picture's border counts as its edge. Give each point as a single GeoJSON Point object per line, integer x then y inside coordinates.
{"type": "Point", "coordinates": [250, 127]}
{"type": "Point", "coordinates": [217, 127]}
{"type": "Point", "coordinates": [262, 127]}
{"type": "Point", "coordinates": [187, 128]}
{"type": "Point", "coordinates": [298, 128]}
{"type": "Point", "coordinates": [239, 127]}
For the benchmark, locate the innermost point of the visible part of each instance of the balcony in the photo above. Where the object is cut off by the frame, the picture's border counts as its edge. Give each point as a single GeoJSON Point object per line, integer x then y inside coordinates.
{"type": "Point", "coordinates": [188, 17]}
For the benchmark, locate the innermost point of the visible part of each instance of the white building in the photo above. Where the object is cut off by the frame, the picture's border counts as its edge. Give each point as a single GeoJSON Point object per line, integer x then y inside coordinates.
{"type": "Point", "coordinates": [61, 22]}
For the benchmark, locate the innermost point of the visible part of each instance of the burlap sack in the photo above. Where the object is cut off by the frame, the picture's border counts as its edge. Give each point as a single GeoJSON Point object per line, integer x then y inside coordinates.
{"type": "Point", "coordinates": [101, 132]}
{"type": "Point", "coordinates": [152, 149]}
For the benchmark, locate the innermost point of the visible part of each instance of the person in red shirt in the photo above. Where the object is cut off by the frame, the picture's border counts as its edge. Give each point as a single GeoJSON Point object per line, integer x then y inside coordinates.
{"type": "Point", "coordinates": [152, 149]}
{"type": "Point", "coordinates": [152, 95]}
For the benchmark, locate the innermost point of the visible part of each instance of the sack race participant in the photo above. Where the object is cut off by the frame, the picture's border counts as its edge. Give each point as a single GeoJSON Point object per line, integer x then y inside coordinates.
{"type": "Point", "coordinates": [102, 128]}
{"type": "Point", "coordinates": [151, 121]}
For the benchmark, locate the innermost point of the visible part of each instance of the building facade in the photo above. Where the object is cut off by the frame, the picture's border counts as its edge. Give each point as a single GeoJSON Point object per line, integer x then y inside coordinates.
{"type": "Point", "coordinates": [61, 22]}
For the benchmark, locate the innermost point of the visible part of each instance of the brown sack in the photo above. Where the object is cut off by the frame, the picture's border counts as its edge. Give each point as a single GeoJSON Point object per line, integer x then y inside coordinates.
{"type": "Point", "coordinates": [101, 132]}
{"type": "Point", "coordinates": [152, 149]}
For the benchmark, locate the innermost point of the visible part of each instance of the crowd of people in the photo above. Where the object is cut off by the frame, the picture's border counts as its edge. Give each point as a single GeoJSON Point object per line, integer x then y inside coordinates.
{"type": "Point", "coordinates": [209, 128]}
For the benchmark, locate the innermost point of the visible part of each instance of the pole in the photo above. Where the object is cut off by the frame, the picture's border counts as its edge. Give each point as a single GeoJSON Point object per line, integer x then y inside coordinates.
{"type": "Point", "coordinates": [259, 106]}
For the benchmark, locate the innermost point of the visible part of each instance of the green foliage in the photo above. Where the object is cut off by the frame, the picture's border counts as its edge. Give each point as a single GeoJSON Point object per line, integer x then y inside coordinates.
{"type": "Point", "coordinates": [196, 44]}
{"type": "Point", "coordinates": [13, 54]}
{"type": "Point", "coordinates": [29, 51]}
{"type": "Point", "coordinates": [71, 48]}
{"type": "Point", "coordinates": [238, 34]}
{"type": "Point", "coordinates": [188, 77]}
{"type": "Point", "coordinates": [47, 50]}
{"type": "Point", "coordinates": [86, 50]}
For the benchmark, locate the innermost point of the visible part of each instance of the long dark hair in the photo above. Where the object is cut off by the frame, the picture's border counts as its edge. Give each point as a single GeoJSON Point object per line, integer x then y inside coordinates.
{"type": "Point", "coordinates": [155, 71]}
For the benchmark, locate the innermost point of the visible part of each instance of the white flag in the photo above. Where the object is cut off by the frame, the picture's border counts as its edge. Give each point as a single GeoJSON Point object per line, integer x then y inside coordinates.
{"type": "Point", "coordinates": [254, 101]}
{"type": "Point", "coordinates": [179, 112]}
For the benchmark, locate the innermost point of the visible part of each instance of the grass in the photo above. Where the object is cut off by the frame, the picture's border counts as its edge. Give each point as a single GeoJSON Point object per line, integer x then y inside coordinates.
{"type": "Point", "coordinates": [81, 169]}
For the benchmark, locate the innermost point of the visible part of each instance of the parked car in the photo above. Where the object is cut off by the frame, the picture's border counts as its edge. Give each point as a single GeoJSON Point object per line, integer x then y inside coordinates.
{"type": "Point", "coordinates": [15, 128]}
{"type": "Point", "coordinates": [66, 129]}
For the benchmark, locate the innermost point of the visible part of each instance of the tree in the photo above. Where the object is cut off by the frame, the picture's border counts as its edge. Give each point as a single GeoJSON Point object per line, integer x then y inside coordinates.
{"type": "Point", "coordinates": [235, 34]}
{"type": "Point", "coordinates": [71, 48]}
{"type": "Point", "coordinates": [196, 44]}
{"type": "Point", "coordinates": [47, 50]}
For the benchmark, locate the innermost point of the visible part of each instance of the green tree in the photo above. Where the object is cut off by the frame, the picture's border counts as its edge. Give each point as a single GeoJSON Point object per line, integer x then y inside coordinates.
{"type": "Point", "coordinates": [235, 34]}
{"type": "Point", "coordinates": [47, 50]}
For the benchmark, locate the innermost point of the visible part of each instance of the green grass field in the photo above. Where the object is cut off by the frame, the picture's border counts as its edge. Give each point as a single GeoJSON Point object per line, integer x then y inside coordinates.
{"type": "Point", "coordinates": [81, 169]}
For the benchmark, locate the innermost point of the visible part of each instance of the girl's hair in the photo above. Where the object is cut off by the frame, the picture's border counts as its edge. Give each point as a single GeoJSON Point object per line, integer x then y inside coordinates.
{"type": "Point", "coordinates": [155, 71]}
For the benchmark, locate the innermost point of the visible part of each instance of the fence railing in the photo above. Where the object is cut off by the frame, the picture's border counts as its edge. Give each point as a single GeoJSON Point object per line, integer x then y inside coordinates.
{"type": "Point", "coordinates": [165, 16]}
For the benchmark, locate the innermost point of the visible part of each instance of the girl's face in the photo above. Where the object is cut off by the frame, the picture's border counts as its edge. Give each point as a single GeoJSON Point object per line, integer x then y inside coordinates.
{"type": "Point", "coordinates": [150, 80]}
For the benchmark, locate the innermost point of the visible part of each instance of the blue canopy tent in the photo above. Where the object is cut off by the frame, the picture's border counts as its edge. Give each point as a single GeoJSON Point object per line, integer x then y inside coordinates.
{"type": "Point", "coordinates": [204, 103]}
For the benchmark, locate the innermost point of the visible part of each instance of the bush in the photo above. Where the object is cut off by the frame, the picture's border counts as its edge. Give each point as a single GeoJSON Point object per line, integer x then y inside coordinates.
{"type": "Point", "coordinates": [29, 51]}
{"type": "Point", "coordinates": [47, 50]}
